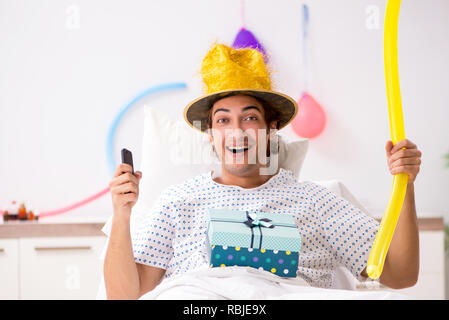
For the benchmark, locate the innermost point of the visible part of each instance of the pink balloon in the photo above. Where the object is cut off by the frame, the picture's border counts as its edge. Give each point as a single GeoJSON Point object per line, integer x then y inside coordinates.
{"type": "Point", "coordinates": [310, 119]}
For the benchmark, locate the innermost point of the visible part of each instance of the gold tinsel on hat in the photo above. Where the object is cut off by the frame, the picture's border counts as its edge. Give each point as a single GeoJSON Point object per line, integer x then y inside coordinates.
{"type": "Point", "coordinates": [227, 71]}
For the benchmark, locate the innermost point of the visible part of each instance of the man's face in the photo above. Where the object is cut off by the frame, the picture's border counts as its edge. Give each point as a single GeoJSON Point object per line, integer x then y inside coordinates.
{"type": "Point", "coordinates": [238, 130]}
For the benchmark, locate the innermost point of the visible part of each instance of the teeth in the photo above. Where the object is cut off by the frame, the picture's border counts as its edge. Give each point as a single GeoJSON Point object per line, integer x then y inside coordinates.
{"type": "Point", "coordinates": [237, 149]}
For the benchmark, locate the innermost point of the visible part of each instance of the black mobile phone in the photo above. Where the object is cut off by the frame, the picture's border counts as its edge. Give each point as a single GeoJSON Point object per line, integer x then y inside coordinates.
{"type": "Point", "coordinates": [127, 157]}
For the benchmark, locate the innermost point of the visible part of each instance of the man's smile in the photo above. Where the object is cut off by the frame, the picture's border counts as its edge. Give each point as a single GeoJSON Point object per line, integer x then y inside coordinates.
{"type": "Point", "coordinates": [237, 149]}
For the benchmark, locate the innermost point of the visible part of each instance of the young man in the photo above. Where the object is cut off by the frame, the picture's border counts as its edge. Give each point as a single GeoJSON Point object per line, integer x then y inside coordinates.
{"type": "Point", "coordinates": [238, 115]}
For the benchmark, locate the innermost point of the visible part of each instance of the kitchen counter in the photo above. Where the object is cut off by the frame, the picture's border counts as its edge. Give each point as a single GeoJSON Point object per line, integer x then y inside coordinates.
{"type": "Point", "coordinates": [31, 229]}
{"type": "Point", "coordinates": [75, 228]}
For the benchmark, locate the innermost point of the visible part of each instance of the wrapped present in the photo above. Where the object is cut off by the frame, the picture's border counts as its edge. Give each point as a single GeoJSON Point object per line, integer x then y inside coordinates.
{"type": "Point", "coordinates": [270, 241]}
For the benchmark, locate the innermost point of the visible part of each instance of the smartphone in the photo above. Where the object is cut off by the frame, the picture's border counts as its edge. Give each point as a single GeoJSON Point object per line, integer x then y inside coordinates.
{"type": "Point", "coordinates": [127, 157]}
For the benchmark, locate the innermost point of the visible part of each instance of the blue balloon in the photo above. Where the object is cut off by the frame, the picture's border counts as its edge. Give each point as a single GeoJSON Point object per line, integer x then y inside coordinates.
{"type": "Point", "coordinates": [118, 118]}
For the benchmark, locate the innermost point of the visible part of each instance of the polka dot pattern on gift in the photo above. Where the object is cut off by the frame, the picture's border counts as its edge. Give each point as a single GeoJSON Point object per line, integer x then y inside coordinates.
{"type": "Point", "coordinates": [279, 263]}
{"type": "Point", "coordinates": [173, 233]}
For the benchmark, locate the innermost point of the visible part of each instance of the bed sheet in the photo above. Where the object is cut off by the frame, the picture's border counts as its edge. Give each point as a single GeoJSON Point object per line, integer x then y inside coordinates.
{"type": "Point", "coordinates": [245, 283]}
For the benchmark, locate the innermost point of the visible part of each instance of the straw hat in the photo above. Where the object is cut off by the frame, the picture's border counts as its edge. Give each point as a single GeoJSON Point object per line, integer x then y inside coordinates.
{"type": "Point", "coordinates": [226, 72]}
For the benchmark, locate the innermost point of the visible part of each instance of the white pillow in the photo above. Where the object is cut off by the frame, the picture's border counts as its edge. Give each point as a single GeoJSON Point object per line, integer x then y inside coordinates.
{"type": "Point", "coordinates": [172, 152]}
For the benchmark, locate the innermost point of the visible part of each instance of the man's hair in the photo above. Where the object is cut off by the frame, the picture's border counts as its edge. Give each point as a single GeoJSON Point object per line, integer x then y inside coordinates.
{"type": "Point", "coordinates": [271, 114]}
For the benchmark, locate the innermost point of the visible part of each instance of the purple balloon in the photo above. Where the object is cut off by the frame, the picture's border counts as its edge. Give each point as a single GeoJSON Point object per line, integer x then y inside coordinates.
{"type": "Point", "coordinates": [246, 39]}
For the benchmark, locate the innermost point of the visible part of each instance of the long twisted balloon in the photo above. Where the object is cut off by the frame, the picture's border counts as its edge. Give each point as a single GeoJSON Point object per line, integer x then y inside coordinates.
{"type": "Point", "coordinates": [388, 224]}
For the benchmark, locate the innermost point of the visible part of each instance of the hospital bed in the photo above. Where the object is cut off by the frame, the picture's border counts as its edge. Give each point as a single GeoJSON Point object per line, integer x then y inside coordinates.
{"type": "Point", "coordinates": [160, 131]}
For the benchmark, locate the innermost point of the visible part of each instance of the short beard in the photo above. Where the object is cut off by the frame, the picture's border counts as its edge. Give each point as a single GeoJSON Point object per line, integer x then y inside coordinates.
{"type": "Point", "coordinates": [241, 169]}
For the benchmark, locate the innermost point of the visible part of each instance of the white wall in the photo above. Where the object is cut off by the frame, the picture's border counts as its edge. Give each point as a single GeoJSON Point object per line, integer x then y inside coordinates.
{"type": "Point", "coordinates": [62, 82]}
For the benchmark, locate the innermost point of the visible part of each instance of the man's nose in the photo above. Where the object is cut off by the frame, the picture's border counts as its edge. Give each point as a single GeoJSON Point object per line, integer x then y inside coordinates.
{"type": "Point", "coordinates": [237, 136]}
{"type": "Point", "coordinates": [236, 124]}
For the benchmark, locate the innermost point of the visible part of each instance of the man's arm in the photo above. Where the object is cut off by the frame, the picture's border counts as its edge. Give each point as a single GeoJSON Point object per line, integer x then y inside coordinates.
{"type": "Point", "coordinates": [120, 271]}
{"type": "Point", "coordinates": [124, 279]}
{"type": "Point", "coordinates": [401, 267]}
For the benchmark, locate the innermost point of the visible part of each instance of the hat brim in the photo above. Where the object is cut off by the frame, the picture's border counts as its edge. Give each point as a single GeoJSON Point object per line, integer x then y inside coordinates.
{"type": "Point", "coordinates": [197, 111]}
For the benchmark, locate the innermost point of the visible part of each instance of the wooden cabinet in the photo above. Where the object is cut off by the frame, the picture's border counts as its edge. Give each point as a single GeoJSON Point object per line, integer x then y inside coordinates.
{"type": "Point", "coordinates": [63, 264]}
{"type": "Point", "coordinates": [60, 268]}
{"type": "Point", "coordinates": [9, 269]}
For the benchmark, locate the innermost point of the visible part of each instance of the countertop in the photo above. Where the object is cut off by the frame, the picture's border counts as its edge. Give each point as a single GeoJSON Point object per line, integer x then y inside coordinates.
{"type": "Point", "coordinates": [51, 228]}
{"type": "Point", "coordinates": [76, 227]}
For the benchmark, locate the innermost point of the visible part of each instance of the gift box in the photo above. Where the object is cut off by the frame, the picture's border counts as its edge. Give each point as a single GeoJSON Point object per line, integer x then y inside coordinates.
{"type": "Point", "coordinates": [270, 241]}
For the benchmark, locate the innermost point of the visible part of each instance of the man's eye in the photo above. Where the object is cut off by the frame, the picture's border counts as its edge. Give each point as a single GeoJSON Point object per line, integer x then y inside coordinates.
{"type": "Point", "coordinates": [221, 120]}
{"type": "Point", "coordinates": [251, 118]}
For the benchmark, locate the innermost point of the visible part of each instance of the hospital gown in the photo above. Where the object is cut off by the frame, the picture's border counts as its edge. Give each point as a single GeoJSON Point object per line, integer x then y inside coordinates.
{"type": "Point", "coordinates": [333, 231]}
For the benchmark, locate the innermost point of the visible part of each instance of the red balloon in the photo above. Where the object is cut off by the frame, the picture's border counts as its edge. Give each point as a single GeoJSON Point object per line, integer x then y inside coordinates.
{"type": "Point", "coordinates": [310, 119]}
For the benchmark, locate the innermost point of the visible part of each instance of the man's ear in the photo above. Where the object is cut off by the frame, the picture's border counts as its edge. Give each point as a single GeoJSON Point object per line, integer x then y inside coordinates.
{"type": "Point", "coordinates": [211, 137]}
{"type": "Point", "coordinates": [272, 126]}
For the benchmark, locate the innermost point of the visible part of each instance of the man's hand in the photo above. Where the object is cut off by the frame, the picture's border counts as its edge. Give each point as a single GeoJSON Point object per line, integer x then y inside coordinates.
{"type": "Point", "coordinates": [403, 157]}
{"type": "Point", "coordinates": [124, 189]}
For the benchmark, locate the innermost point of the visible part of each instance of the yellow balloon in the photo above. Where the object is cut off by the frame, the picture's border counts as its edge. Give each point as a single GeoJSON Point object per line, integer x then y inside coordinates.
{"type": "Point", "coordinates": [388, 224]}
